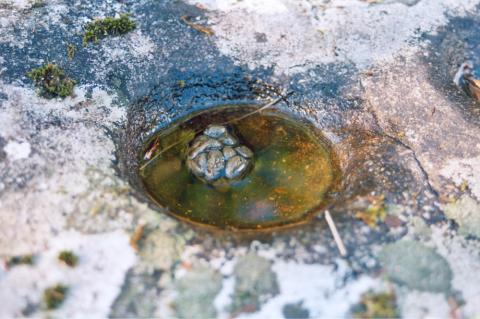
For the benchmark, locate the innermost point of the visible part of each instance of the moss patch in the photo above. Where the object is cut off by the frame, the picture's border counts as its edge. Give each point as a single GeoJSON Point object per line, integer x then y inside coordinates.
{"type": "Point", "coordinates": [54, 296]}
{"type": "Point", "coordinates": [71, 50]}
{"type": "Point", "coordinates": [52, 81]}
{"type": "Point", "coordinates": [376, 305]}
{"type": "Point", "coordinates": [109, 26]}
{"type": "Point", "coordinates": [20, 260]}
{"type": "Point", "coordinates": [68, 257]}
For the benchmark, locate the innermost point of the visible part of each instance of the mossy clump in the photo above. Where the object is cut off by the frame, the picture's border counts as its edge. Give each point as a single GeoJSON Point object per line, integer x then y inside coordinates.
{"type": "Point", "coordinates": [376, 305]}
{"type": "Point", "coordinates": [109, 26]}
{"type": "Point", "coordinates": [54, 296]}
{"type": "Point", "coordinates": [52, 81]}
{"type": "Point", "coordinates": [68, 257]}
{"type": "Point", "coordinates": [71, 50]}
{"type": "Point", "coordinates": [20, 260]}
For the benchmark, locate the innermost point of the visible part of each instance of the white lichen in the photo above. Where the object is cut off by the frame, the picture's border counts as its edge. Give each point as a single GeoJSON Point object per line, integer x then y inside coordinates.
{"type": "Point", "coordinates": [297, 35]}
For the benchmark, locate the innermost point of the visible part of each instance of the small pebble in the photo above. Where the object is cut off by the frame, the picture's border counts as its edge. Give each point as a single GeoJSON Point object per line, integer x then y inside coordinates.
{"type": "Point", "coordinates": [244, 151]}
{"type": "Point", "coordinates": [215, 131]}
{"type": "Point", "coordinates": [199, 141]}
{"type": "Point", "coordinates": [215, 165]}
{"type": "Point", "coordinates": [228, 140]}
{"type": "Point", "coordinates": [209, 144]}
{"type": "Point", "coordinates": [236, 166]}
{"type": "Point", "coordinates": [228, 152]}
{"type": "Point", "coordinates": [199, 164]}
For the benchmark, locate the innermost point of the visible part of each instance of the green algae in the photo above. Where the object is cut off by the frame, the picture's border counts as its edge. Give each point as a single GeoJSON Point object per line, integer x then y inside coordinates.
{"type": "Point", "coordinates": [51, 80]}
{"type": "Point", "coordinates": [416, 266]}
{"type": "Point", "coordinates": [53, 297]}
{"type": "Point", "coordinates": [109, 26]}
{"type": "Point", "coordinates": [292, 173]}
{"type": "Point", "coordinates": [376, 305]}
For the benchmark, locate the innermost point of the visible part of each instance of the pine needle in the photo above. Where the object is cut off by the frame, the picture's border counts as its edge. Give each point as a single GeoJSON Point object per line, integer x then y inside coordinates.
{"type": "Point", "coordinates": [336, 235]}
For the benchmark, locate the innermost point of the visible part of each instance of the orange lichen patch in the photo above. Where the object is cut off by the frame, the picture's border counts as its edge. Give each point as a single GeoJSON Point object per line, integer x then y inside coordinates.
{"type": "Point", "coordinates": [137, 236]}
{"type": "Point", "coordinates": [375, 211]}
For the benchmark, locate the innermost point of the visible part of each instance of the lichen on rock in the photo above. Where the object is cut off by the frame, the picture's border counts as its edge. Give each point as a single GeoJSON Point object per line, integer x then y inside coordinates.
{"type": "Point", "coordinates": [196, 292]}
{"type": "Point", "coordinates": [416, 266]}
{"type": "Point", "coordinates": [255, 283]}
{"type": "Point", "coordinates": [466, 213]}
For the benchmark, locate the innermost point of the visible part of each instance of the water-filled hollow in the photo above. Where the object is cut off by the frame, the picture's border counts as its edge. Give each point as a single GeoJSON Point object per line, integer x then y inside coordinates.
{"type": "Point", "coordinates": [293, 170]}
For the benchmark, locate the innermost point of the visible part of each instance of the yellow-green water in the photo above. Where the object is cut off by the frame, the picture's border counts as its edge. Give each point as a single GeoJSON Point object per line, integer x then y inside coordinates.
{"type": "Point", "coordinates": [292, 173]}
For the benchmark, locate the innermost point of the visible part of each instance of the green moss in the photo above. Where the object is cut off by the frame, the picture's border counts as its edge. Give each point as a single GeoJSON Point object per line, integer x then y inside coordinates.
{"type": "Point", "coordinates": [54, 296]}
{"type": "Point", "coordinates": [52, 81]}
{"type": "Point", "coordinates": [20, 260]}
{"type": "Point", "coordinates": [109, 26]}
{"type": "Point", "coordinates": [181, 83]}
{"type": "Point", "coordinates": [68, 257]}
{"type": "Point", "coordinates": [376, 305]}
{"type": "Point", "coordinates": [71, 50]}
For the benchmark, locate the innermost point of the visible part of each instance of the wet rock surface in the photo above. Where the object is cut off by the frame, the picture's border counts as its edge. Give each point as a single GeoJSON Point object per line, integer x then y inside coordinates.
{"type": "Point", "coordinates": [384, 93]}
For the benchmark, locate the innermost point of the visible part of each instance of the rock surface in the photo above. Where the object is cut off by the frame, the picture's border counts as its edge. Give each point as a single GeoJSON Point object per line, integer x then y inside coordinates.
{"type": "Point", "coordinates": [376, 76]}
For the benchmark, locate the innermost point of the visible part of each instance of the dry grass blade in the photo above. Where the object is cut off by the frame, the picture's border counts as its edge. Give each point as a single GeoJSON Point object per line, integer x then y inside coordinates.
{"type": "Point", "coordinates": [336, 235]}
{"type": "Point", "coordinates": [200, 28]}
{"type": "Point", "coordinates": [266, 106]}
